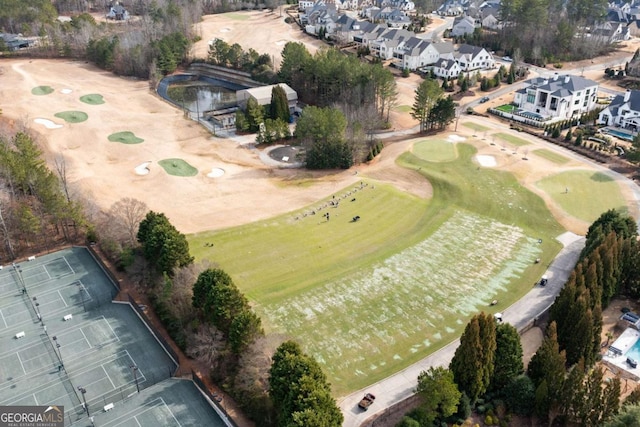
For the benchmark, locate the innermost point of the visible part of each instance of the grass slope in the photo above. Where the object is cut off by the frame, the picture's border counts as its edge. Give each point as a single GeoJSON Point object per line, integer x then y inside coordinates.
{"type": "Point", "coordinates": [368, 298]}
{"type": "Point", "coordinates": [552, 156]}
{"type": "Point", "coordinates": [513, 140]}
{"type": "Point", "coordinates": [178, 167]}
{"type": "Point", "coordinates": [586, 202]}
{"type": "Point", "coordinates": [475, 126]}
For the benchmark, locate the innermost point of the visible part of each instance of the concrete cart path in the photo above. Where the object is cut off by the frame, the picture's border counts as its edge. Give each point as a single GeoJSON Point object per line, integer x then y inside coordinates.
{"type": "Point", "coordinates": [400, 386]}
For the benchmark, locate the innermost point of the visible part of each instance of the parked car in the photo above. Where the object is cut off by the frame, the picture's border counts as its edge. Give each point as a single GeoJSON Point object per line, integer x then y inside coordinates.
{"type": "Point", "coordinates": [484, 99]}
{"type": "Point", "coordinates": [506, 58]}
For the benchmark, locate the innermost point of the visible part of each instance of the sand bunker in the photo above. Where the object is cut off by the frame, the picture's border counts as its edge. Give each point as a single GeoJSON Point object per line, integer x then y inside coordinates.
{"type": "Point", "coordinates": [215, 173]}
{"type": "Point", "coordinates": [47, 123]}
{"type": "Point", "coordinates": [455, 138]}
{"type": "Point", "coordinates": [65, 91]}
{"type": "Point", "coordinates": [486, 161]}
{"type": "Point", "coordinates": [281, 42]}
{"type": "Point", "coordinates": [225, 30]}
{"type": "Point", "coordinates": [143, 169]}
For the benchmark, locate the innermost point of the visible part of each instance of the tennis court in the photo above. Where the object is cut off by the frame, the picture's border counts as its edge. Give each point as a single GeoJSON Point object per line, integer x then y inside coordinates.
{"type": "Point", "coordinates": [172, 403]}
{"type": "Point", "coordinates": [63, 342]}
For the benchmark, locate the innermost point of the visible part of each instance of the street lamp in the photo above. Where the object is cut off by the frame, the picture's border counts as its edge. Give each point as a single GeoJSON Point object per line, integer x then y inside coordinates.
{"type": "Point", "coordinates": [134, 368]}
{"type": "Point", "coordinates": [84, 399]}
{"type": "Point", "coordinates": [57, 345]}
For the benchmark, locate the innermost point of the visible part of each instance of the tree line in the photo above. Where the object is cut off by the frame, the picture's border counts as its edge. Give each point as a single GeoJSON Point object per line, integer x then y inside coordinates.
{"type": "Point", "coordinates": [563, 381]}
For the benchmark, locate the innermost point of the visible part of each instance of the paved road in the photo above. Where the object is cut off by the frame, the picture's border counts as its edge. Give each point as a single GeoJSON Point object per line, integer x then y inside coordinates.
{"type": "Point", "coordinates": [400, 386]}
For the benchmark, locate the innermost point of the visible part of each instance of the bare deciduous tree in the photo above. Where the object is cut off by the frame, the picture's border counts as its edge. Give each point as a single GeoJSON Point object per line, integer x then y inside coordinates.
{"type": "Point", "coordinates": [128, 213]}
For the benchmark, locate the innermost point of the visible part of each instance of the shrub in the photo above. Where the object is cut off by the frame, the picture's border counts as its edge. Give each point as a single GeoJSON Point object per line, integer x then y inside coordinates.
{"type": "Point", "coordinates": [481, 409]}
{"type": "Point", "coordinates": [488, 420]}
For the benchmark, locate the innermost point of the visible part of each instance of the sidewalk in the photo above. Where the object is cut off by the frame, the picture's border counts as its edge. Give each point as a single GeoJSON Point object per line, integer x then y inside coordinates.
{"type": "Point", "coordinates": [400, 386]}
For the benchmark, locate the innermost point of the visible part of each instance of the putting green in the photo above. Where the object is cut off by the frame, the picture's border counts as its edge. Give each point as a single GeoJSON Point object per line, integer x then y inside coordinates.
{"type": "Point", "coordinates": [178, 167]}
{"type": "Point", "coordinates": [369, 297]}
{"type": "Point", "coordinates": [92, 99]}
{"type": "Point", "coordinates": [513, 140]}
{"type": "Point", "coordinates": [237, 16]}
{"type": "Point", "coordinates": [435, 150]}
{"type": "Point", "coordinates": [72, 116]}
{"type": "Point", "coordinates": [552, 156]}
{"type": "Point", "coordinates": [125, 137]}
{"type": "Point", "coordinates": [42, 90]}
{"type": "Point", "coordinates": [475, 126]}
{"type": "Point", "coordinates": [589, 193]}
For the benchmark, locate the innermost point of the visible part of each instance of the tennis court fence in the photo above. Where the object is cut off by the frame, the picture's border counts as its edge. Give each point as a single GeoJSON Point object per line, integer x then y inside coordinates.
{"type": "Point", "coordinates": [213, 398]}
{"type": "Point", "coordinates": [163, 342]}
{"type": "Point", "coordinates": [107, 272]}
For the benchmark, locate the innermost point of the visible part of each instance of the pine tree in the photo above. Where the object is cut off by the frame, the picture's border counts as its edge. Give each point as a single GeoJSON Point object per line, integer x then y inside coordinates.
{"type": "Point", "coordinates": [508, 357]}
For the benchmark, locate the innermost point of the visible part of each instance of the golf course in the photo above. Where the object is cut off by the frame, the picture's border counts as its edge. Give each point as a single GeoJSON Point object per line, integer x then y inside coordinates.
{"type": "Point", "coordinates": [368, 297]}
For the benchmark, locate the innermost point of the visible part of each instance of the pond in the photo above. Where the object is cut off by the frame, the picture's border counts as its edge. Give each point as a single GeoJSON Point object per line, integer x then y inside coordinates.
{"type": "Point", "coordinates": [199, 96]}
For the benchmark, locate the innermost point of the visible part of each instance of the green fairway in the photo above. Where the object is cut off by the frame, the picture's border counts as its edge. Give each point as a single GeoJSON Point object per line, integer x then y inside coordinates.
{"type": "Point", "coordinates": [589, 193]}
{"type": "Point", "coordinates": [435, 150]}
{"type": "Point", "coordinates": [237, 16]}
{"type": "Point", "coordinates": [370, 297]}
{"type": "Point", "coordinates": [475, 126]}
{"type": "Point", "coordinates": [125, 137]}
{"type": "Point", "coordinates": [42, 90]}
{"type": "Point", "coordinates": [72, 116]}
{"type": "Point", "coordinates": [403, 108]}
{"type": "Point", "coordinates": [178, 167]}
{"type": "Point", "coordinates": [92, 99]}
{"type": "Point", "coordinates": [552, 156]}
{"type": "Point", "coordinates": [513, 140]}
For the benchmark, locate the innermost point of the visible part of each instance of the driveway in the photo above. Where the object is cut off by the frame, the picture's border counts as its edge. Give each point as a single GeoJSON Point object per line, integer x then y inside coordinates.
{"type": "Point", "coordinates": [400, 386]}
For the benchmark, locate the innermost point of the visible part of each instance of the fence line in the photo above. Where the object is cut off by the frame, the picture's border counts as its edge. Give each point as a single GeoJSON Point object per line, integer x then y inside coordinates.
{"type": "Point", "coordinates": [107, 272]}
{"type": "Point", "coordinates": [214, 400]}
{"type": "Point", "coordinates": [158, 336]}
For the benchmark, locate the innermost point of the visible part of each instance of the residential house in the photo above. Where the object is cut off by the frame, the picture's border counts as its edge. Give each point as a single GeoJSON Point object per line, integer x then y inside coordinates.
{"type": "Point", "coordinates": [369, 12]}
{"type": "Point", "coordinates": [307, 4]}
{"type": "Point", "coordinates": [559, 97]}
{"type": "Point", "coordinates": [463, 25]}
{"type": "Point", "coordinates": [634, 28]}
{"type": "Point", "coordinates": [416, 53]}
{"type": "Point", "coordinates": [452, 8]}
{"type": "Point", "coordinates": [385, 45]}
{"type": "Point", "coordinates": [403, 5]}
{"type": "Point", "coordinates": [447, 69]}
{"type": "Point", "coordinates": [473, 58]}
{"type": "Point", "coordinates": [15, 41]}
{"type": "Point", "coordinates": [610, 32]}
{"type": "Point", "coordinates": [369, 33]}
{"type": "Point", "coordinates": [624, 111]}
{"type": "Point", "coordinates": [394, 18]}
{"type": "Point", "coordinates": [490, 18]}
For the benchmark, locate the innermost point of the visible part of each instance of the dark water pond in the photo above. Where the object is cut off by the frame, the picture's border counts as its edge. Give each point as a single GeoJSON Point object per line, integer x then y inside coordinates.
{"type": "Point", "coordinates": [198, 96]}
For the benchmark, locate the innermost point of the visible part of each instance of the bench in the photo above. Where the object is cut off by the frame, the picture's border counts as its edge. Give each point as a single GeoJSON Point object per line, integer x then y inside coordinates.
{"type": "Point", "coordinates": [68, 317]}
{"type": "Point", "coordinates": [32, 258]}
{"type": "Point", "coordinates": [108, 407]}
{"type": "Point", "coordinates": [20, 335]}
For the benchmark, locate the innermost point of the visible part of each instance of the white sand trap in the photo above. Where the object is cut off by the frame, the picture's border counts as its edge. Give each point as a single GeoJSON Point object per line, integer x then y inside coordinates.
{"type": "Point", "coordinates": [281, 42]}
{"type": "Point", "coordinates": [47, 123]}
{"type": "Point", "coordinates": [455, 138]}
{"type": "Point", "coordinates": [225, 30]}
{"type": "Point", "coordinates": [486, 161]}
{"type": "Point", "coordinates": [143, 169]}
{"type": "Point", "coordinates": [215, 173]}
{"type": "Point", "coordinates": [66, 91]}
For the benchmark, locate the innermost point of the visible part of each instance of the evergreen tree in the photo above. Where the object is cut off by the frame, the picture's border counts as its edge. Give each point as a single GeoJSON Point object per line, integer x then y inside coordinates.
{"type": "Point", "coordinates": [279, 107]}
{"type": "Point", "coordinates": [508, 357]}
{"type": "Point", "coordinates": [439, 392]}
{"type": "Point", "coordinates": [472, 363]}
{"type": "Point", "coordinates": [162, 244]}
{"type": "Point", "coordinates": [427, 94]}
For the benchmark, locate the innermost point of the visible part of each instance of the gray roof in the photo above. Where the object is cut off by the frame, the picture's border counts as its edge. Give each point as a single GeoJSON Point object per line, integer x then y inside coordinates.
{"type": "Point", "coordinates": [618, 102]}
{"type": "Point", "coordinates": [444, 47]}
{"type": "Point", "coordinates": [467, 48]}
{"type": "Point", "coordinates": [568, 83]}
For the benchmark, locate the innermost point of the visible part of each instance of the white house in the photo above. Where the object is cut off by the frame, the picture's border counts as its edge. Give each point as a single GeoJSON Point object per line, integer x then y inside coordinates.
{"type": "Point", "coordinates": [463, 25]}
{"type": "Point", "coordinates": [415, 53]}
{"type": "Point", "coordinates": [306, 4]}
{"type": "Point", "coordinates": [559, 97]}
{"type": "Point", "coordinates": [385, 45]}
{"type": "Point", "coordinates": [473, 58]}
{"type": "Point", "coordinates": [624, 111]}
{"type": "Point", "coordinates": [447, 69]}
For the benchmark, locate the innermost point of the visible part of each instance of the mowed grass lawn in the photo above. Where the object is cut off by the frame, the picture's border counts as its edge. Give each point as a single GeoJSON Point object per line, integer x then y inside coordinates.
{"type": "Point", "coordinates": [369, 298]}
{"type": "Point", "coordinates": [552, 156]}
{"type": "Point", "coordinates": [513, 140]}
{"type": "Point", "coordinates": [586, 202]}
{"type": "Point", "coordinates": [475, 126]}
{"type": "Point", "coordinates": [435, 150]}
